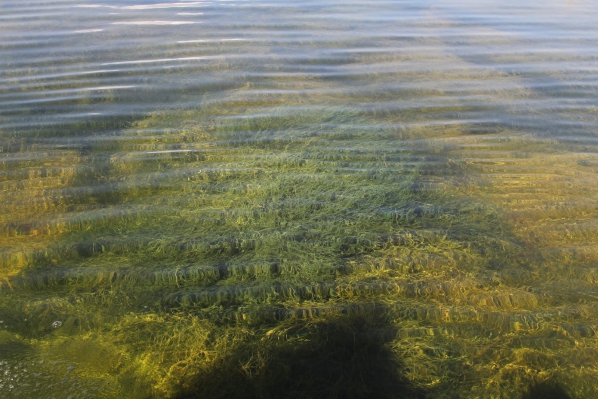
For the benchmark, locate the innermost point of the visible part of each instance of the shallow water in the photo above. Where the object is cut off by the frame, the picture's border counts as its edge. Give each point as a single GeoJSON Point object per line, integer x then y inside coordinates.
{"type": "Point", "coordinates": [198, 199]}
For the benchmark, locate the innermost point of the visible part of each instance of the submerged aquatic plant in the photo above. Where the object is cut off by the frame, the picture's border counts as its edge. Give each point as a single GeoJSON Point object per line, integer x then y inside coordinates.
{"type": "Point", "coordinates": [213, 256]}
{"type": "Point", "coordinates": [297, 236]}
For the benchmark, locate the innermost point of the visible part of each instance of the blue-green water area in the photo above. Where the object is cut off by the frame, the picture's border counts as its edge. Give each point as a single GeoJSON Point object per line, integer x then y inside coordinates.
{"type": "Point", "coordinates": [307, 199]}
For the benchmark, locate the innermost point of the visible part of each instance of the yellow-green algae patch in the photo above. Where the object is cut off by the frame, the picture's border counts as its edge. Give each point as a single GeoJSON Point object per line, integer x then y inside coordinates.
{"type": "Point", "coordinates": [282, 245]}
{"type": "Point", "coordinates": [227, 258]}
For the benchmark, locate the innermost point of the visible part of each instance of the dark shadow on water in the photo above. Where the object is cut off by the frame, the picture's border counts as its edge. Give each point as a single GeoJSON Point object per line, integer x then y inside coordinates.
{"type": "Point", "coordinates": [328, 359]}
{"type": "Point", "coordinates": [12, 350]}
{"type": "Point", "coordinates": [546, 390]}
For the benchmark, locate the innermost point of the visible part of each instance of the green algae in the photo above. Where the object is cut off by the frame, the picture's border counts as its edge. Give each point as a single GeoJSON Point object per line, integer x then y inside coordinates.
{"type": "Point", "coordinates": [212, 254]}
{"type": "Point", "coordinates": [303, 245]}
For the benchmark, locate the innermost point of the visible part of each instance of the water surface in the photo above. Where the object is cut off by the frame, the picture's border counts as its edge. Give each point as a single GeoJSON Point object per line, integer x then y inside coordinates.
{"type": "Point", "coordinates": [298, 199]}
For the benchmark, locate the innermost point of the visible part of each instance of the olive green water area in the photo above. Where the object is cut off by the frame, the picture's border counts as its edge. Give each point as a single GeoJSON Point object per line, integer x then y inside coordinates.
{"type": "Point", "coordinates": [306, 200]}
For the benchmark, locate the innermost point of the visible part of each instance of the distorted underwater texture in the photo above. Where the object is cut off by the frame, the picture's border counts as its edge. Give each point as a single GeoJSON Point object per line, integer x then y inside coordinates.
{"type": "Point", "coordinates": [308, 199]}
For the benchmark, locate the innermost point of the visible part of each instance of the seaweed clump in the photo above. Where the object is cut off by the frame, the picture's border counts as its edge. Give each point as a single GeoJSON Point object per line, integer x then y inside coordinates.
{"type": "Point", "coordinates": [333, 358]}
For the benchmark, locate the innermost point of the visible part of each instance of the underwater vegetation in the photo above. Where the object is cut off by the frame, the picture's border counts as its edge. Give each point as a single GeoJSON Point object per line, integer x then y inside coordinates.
{"type": "Point", "coordinates": [362, 225]}
{"type": "Point", "coordinates": [300, 255]}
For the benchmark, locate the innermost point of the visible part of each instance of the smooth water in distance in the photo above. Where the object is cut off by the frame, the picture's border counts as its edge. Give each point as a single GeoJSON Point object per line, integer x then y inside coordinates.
{"type": "Point", "coordinates": [298, 199]}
